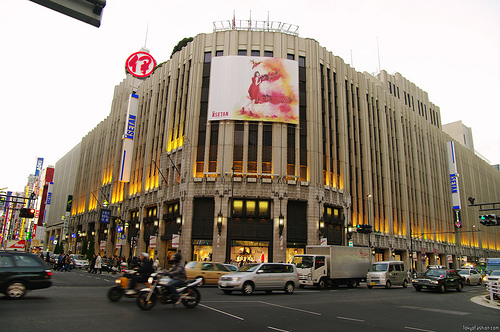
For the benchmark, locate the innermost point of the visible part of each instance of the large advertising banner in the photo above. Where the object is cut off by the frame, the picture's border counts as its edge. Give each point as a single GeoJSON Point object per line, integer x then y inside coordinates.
{"type": "Point", "coordinates": [254, 89]}
{"type": "Point", "coordinates": [128, 138]}
{"type": "Point", "coordinates": [452, 166]}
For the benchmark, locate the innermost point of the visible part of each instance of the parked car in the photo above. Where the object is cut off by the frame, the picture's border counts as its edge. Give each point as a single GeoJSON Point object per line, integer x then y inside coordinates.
{"type": "Point", "coordinates": [439, 280]}
{"type": "Point", "coordinates": [210, 272]}
{"type": "Point", "coordinates": [21, 271]}
{"type": "Point", "coordinates": [472, 277]}
{"type": "Point", "coordinates": [263, 276]}
{"type": "Point", "coordinates": [493, 276]}
{"type": "Point", "coordinates": [387, 274]}
{"type": "Point", "coordinates": [79, 261]}
{"type": "Point", "coordinates": [433, 267]}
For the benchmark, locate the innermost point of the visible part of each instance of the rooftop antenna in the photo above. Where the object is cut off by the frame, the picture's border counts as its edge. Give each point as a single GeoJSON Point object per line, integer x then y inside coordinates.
{"type": "Point", "coordinates": [146, 38]}
{"type": "Point", "coordinates": [378, 54]}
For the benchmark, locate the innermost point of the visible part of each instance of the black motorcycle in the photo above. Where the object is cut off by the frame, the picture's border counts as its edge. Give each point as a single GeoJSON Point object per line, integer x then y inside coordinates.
{"type": "Point", "coordinates": [158, 291]}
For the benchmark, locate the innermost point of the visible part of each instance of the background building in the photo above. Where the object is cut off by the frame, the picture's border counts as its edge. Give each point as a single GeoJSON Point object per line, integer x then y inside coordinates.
{"type": "Point", "coordinates": [360, 149]}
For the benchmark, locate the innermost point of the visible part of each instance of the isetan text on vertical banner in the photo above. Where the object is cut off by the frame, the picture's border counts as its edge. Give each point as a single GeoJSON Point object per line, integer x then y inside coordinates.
{"type": "Point", "coordinates": [128, 138]}
{"type": "Point", "coordinates": [452, 166]}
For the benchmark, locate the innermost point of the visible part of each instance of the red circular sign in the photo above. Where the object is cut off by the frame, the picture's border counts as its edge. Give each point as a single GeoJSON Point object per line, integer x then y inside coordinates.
{"type": "Point", "coordinates": [140, 64]}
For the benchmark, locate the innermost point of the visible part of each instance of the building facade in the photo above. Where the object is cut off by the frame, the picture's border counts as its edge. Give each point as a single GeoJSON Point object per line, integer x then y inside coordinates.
{"type": "Point", "coordinates": [363, 150]}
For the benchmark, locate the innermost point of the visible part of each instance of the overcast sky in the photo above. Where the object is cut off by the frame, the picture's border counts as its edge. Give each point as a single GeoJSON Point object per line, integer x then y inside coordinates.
{"type": "Point", "coordinates": [58, 74]}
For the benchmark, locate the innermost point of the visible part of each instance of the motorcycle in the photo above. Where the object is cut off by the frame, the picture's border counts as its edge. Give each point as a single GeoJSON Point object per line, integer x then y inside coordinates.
{"type": "Point", "coordinates": [158, 291]}
{"type": "Point", "coordinates": [116, 292]}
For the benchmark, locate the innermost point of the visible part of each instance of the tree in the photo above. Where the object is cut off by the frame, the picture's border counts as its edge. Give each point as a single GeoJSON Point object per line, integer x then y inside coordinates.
{"type": "Point", "coordinates": [180, 45]}
{"type": "Point", "coordinates": [85, 245]}
{"type": "Point", "coordinates": [91, 248]}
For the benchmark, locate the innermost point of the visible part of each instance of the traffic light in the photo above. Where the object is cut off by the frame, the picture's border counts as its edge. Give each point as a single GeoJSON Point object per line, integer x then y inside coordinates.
{"type": "Point", "coordinates": [490, 219]}
{"type": "Point", "coordinates": [364, 228]}
{"type": "Point", "coordinates": [27, 213]}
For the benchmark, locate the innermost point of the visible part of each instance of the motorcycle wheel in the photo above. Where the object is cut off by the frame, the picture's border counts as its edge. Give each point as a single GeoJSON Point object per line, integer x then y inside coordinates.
{"type": "Point", "coordinates": [191, 297]}
{"type": "Point", "coordinates": [115, 293]}
{"type": "Point", "coordinates": [143, 304]}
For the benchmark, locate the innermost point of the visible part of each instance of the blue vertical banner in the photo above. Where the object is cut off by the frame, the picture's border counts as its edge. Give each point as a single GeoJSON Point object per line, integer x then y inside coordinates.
{"type": "Point", "coordinates": [39, 164]}
{"type": "Point", "coordinates": [105, 216]}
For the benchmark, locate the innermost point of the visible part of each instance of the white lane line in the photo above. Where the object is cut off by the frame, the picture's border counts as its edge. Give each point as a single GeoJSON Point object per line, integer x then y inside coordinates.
{"type": "Point", "coordinates": [222, 312]}
{"type": "Point", "coordinates": [415, 329]}
{"type": "Point", "coordinates": [352, 319]}
{"type": "Point", "coordinates": [276, 329]}
{"type": "Point", "coordinates": [281, 306]}
{"type": "Point", "coordinates": [442, 311]}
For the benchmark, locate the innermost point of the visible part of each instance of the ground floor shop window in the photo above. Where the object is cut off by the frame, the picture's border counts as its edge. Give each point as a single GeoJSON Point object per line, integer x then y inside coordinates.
{"type": "Point", "coordinates": [290, 252]}
{"type": "Point", "coordinates": [202, 250]}
{"type": "Point", "coordinates": [243, 252]}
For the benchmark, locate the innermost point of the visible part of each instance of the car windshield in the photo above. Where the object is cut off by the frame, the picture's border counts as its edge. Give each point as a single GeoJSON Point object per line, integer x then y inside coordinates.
{"type": "Point", "coordinates": [435, 273]}
{"type": "Point", "coordinates": [379, 267]}
{"type": "Point", "coordinates": [495, 273]}
{"type": "Point", "coordinates": [303, 262]}
{"type": "Point", "coordinates": [463, 272]}
{"type": "Point", "coordinates": [79, 257]}
{"type": "Point", "coordinates": [249, 268]}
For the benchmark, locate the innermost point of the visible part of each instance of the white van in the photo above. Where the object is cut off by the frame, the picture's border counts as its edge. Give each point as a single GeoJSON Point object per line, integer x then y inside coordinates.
{"type": "Point", "coordinates": [387, 274]}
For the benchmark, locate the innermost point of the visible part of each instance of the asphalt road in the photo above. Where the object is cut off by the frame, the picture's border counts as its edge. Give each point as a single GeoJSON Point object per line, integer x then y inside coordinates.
{"type": "Point", "coordinates": [77, 302]}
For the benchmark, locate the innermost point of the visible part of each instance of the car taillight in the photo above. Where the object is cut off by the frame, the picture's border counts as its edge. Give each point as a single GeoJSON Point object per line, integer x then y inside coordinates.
{"type": "Point", "coordinates": [48, 274]}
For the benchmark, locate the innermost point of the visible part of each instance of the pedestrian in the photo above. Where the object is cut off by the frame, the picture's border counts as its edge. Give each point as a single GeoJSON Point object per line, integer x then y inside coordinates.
{"type": "Point", "coordinates": [47, 257]}
{"type": "Point", "coordinates": [67, 263]}
{"type": "Point", "coordinates": [98, 264]}
{"type": "Point", "coordinates": [60, 262]}
{"type": "Point", "coordinates": [92, 264]}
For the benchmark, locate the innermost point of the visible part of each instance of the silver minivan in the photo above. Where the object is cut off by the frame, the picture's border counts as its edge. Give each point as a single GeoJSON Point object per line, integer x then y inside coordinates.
{"type": "Point", "coordinates": [258, 277]}
{"type": "Point", "coordinates": [387, 274]}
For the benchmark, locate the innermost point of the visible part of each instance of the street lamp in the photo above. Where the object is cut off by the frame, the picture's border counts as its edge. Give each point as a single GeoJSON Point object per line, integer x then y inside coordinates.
{"type": "Point", "coordinates": [281, 223]}
{"type": "Point", "coordinates": [178, 221]}
{"type": "Point", "coordinates": [219, 223]}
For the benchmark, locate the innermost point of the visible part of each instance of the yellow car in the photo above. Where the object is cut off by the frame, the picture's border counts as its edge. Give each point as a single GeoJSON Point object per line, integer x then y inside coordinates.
{"type": "Point", "coordinates": [210, 272]}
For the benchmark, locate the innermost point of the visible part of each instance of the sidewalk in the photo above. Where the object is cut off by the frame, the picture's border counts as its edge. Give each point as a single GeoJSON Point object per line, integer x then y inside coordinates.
{"type": "Point", "coordinates": [484, 300]}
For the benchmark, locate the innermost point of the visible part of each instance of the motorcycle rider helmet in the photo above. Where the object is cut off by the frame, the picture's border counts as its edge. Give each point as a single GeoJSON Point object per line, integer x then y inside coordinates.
{"type": "Point", "coordinates": [176, 257]}
{"type": "Point", "coordinates": [146, 255]}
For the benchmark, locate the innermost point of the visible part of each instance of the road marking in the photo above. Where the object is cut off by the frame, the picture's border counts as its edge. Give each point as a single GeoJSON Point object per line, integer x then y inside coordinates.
{"type": "Point", "coordinates": [353, 319]}
{"type": "Point", "coordinates": [280, 306]}
{"type": "Point", "coordinates": [442, 311]}
{"type": "Point", "coordinates": [415, 329]}
{"type": "Point", "coordinates": [276, 329]}
{"type": "Point", "coordinates": [222, 312]}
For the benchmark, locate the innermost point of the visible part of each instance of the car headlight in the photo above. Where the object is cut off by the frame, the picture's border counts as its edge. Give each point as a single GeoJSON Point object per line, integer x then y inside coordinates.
{"type": "Point", "coordinates": [235, 279]}
{"type": "Point", "coordinates": [434, 282]}
{"type": "Point", "coordinates": [150, 280]}
{"type": "Point", "coordinates": [118, 281]}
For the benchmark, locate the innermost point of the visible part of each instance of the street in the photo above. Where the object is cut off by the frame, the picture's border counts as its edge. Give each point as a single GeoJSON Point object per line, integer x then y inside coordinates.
{"type": "Point", "coordinates": [77, 301]}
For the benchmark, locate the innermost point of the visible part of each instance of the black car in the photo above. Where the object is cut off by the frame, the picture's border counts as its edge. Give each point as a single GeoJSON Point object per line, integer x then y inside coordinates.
{"type": "Point", "coordinates": [439, 280]}
{"type": "Point", "coordinates": [21, 271]}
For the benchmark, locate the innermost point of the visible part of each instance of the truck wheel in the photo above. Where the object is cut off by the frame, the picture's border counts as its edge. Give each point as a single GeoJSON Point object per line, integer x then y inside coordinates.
{"type": "Point", "coordinates": [352, 283]}
{"type": "Point", "coordinates": [369, 286]}
{"type": "Point", "coordinates": [388, 284]}
{"type": "Point", "coordinates": [321, 284]}
{"type": "Point", "coordinates": [405, 284]}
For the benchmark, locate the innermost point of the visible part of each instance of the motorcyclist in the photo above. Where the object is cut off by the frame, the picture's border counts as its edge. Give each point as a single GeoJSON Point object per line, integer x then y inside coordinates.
{"type": "Point", "coordinates": [178, 276]}
{"type": "Point", "coordinates": [143, 273]}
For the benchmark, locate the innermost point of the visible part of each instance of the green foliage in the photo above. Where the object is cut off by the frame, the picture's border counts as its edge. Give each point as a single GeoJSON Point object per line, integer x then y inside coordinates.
{"type": "Point", "coordinates": [85, 244]}
{"type": "Point", "coordinates": [91, 250]}
{"type": "Point", "coordinates": [180, 45]}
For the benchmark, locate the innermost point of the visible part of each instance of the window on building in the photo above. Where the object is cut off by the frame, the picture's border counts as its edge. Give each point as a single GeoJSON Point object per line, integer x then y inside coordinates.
{"type": "Point", "coordinates": [238, 146]}
{"type": "Point", "coordinates": [268, 54]}
{"type": "Point", "coordinates": [242, 52]}
{"type": "Point", "coordinates": [219, 53]}
{"type": "Point", "coordinates": [267, 148]}
{"type": "Point", "coordinates": [255, 53]}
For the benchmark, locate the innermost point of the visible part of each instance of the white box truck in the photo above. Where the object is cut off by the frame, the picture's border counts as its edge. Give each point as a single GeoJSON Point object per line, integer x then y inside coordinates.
{"type": "Point", "coordinates": [323, 266]}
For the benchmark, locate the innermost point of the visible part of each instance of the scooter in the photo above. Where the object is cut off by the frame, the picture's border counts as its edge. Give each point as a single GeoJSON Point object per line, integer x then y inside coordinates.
{"type": "Point", "coordinates": [158, 291]}
{"type": "Point", "coordinates": [116, 292]}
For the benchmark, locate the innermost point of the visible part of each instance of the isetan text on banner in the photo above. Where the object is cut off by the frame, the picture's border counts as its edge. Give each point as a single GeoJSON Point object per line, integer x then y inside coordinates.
{"type": "Point", "coordinates": [254, 89]}
{"type": "Point", "coordinates": [128, 138]}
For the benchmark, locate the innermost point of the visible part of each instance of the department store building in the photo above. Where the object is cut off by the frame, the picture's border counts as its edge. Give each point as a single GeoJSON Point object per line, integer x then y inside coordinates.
{"type": "Point", "coordinates": [315, 149]}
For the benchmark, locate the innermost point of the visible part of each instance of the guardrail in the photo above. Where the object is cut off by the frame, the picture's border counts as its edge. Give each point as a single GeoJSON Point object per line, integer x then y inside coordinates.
{"type": "Point", "coordinates": [493, 287]}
